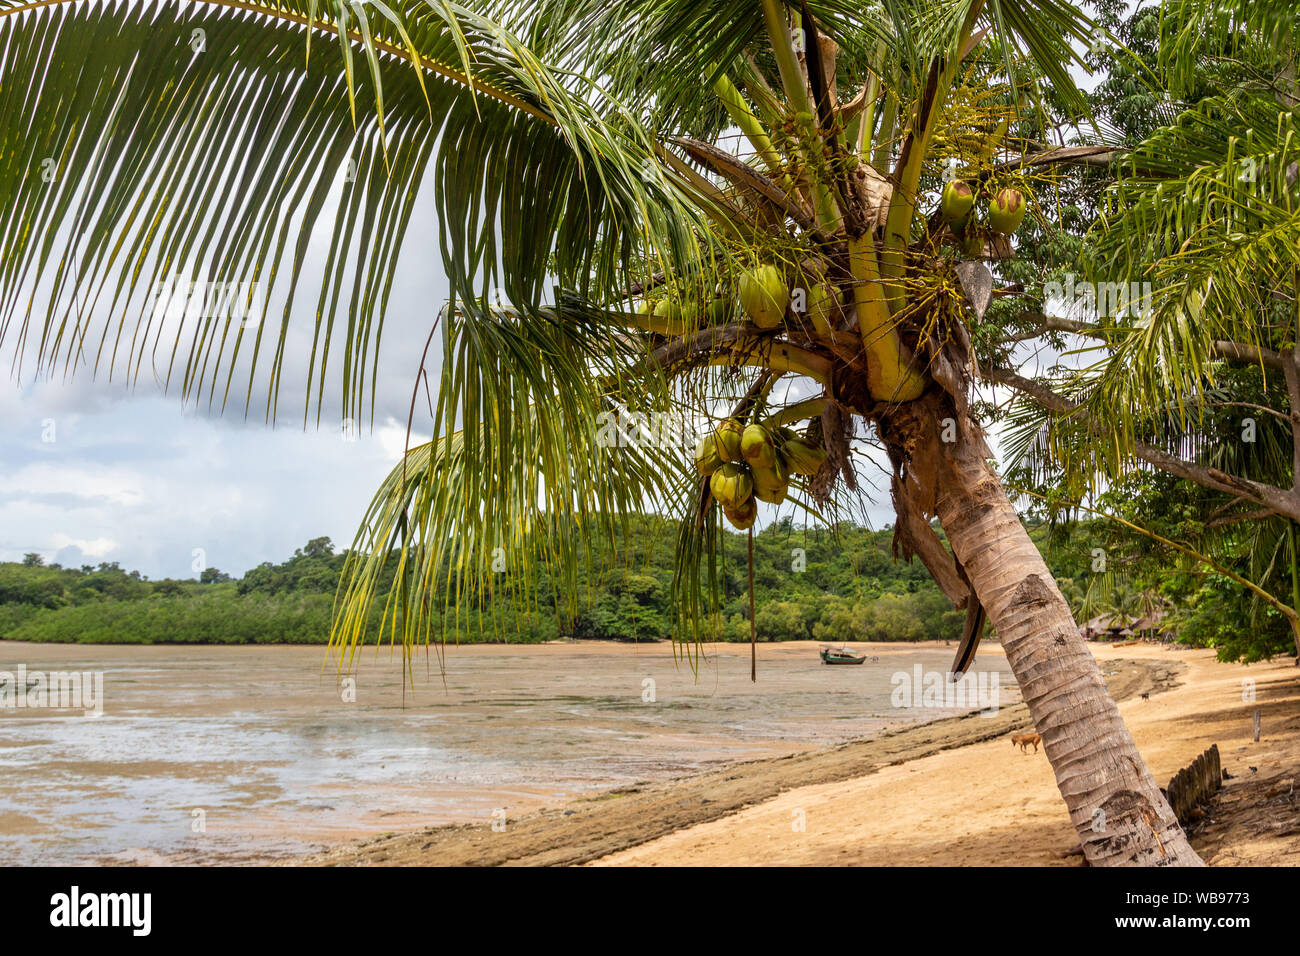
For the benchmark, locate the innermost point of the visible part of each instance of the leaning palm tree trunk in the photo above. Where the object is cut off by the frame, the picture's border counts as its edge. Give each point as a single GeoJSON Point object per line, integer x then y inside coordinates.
{"type": "Point", "coordinates": [1115, 804]}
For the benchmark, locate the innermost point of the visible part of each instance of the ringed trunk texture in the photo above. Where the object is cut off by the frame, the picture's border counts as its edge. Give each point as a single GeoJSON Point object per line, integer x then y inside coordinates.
{"type": "Point", "coordinates": [1114, 803]}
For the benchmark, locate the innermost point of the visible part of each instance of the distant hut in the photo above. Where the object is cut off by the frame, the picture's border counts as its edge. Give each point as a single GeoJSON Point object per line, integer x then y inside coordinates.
{"type": "Point", "coordinates": [1101, 627]}
{"type": "Point", "coordinates": [1148, 625]}
{"type": "Point", "coordinates": [1110, 627]}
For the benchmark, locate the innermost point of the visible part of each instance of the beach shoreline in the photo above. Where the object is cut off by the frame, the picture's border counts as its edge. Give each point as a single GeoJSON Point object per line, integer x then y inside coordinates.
{"type": "Point", "coordinates": [951, 791]}
{"type": "Point", "coordinates": [281, 757]}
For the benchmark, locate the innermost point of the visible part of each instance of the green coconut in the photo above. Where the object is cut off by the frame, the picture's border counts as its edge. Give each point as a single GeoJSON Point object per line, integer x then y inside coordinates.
{"type": "Point", "coordinates": [802, 457]}
{"type": "Point", "coordinates": [664, 316]}
{"type": "Point", "coordinates": [727, 439]}
{"type": "Point", "coordinates": [677, 312]}
{"type": "Point", "coordinates": [757, 447]}
{"type": "Point", "coordinates": [1007, 211]}
{"type": "Point", "coordinates": [956, 203]}
{"type": "Point", "coordinates": [707, 459]}
{"type": "Point", "coordinates": [731, 484]}
{"type": "Point", "coordinates": [771, 484]}
{"type": "Point", "coordinates": [718, 311]}
{"type": "Point", "coordinates": [764, 296]}
{"type": "Point", "coordinates": [742, 517]}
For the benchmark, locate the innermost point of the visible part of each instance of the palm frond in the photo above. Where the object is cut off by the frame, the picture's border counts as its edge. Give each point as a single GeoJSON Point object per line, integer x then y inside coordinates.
{"type": "Point", "coordinates": [132, 156]}
{"type": "Point", "coordinates": [520, 472]}
{"type": "Point", "coordinates": [1190, 28]}
{"type": "Point", "coordinates": [1209, 217]}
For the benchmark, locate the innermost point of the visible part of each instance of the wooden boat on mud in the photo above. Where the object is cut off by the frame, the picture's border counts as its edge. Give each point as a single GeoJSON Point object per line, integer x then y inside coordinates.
{"type": "Point", "coordinates": [839, 655]}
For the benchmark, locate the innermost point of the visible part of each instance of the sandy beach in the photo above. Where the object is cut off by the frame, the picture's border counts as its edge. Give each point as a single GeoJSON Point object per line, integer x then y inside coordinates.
{"type": "Point", "coordinates": [950, 792]}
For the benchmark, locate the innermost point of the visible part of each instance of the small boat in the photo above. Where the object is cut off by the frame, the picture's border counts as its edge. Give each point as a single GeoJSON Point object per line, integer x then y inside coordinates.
{"type": "Point", "coordinates": [839, 655]}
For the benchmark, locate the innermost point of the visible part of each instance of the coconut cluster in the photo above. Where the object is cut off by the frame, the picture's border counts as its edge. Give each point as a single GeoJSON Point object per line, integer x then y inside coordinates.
{"type": "Point", "coordinates": [763, 293]}
{"type": "Point", "coordinates": [749, 463]}
{"type": "Point", "coordinates": [1005, 213]}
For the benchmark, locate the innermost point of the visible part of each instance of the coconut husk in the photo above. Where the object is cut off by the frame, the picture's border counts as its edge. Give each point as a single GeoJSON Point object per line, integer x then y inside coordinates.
{"type": "Point", "coordinates": [837, 429]}
{"type": "Point", "coordinates": [822, 484]}
{"type": "Point", "coordinates": [873, 192]}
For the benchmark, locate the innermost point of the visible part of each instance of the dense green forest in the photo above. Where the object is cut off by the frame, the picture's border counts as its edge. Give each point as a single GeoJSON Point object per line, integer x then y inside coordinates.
{"type": "Point", "coordinates": [835, 585]}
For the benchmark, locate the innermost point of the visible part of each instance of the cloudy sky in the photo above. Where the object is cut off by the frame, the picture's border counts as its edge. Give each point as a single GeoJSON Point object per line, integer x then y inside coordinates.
{"type": "Point", "coordinates": [91, 473]}
{"type": "Point", "coordinates": [94, 471]}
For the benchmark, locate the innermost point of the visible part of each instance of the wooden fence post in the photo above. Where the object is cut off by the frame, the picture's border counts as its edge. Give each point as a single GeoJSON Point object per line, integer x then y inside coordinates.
{"type": "Point", "coordinates": [1195, 783]}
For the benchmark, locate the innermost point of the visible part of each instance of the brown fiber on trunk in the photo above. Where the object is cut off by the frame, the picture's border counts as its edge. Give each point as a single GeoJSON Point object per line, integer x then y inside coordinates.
{"type": "Point", "coordinates": [1114, 802]}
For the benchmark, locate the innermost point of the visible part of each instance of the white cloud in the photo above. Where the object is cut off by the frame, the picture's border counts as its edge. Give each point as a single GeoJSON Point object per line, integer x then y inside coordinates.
{"type": "Point", "coordinates": [97, 548]}
{"type": "Point", "coordinates": [144, 484]}
{"type": "Point", "coordinates": [391, 437]}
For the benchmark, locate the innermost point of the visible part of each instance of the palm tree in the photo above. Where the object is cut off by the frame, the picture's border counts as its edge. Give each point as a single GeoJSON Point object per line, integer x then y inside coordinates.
{"type": "Point", "coordinates": [1076, 595]}
{"type": "Point", "coordinates": [1200, 376]}
{"type": "Point", "coordinates": [1123, 603]}
{"type": "Point", "coordinates": [590, 147]}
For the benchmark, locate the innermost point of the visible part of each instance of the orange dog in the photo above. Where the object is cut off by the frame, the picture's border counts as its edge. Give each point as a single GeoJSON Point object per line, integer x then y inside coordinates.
{"type": "Point", "coordinates": [1024, 740]}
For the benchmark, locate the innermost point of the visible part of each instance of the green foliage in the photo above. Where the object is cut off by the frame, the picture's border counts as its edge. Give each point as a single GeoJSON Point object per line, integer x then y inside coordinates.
{"type": "Point", "coordinates": [216, 616]}
{"type": "Point", "coordinates": [837, 585]}
{"type": "Point", "coordinates": [1202, 608]}
{"type": "Point", "coordinates": [52, 586]}
{"type": "Point", "coordinates": [109, 605]}
{"type": "Point", "coordinates": [1216, 616]}
{"type": "Point", "coordinates": [314, 569]}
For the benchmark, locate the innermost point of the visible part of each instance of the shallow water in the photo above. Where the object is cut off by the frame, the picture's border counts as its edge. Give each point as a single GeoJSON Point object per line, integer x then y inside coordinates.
{"type": "Point", "coordinates": [222, 754]}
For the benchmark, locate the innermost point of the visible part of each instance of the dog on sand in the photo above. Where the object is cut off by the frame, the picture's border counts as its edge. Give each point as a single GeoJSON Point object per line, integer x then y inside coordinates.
{"type": "Point", "coordinates": [1024, 740]}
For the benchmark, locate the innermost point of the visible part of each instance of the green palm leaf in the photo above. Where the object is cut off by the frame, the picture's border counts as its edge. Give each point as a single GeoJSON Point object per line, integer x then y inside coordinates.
{"type": "Point", "coordinates": [140, 157]}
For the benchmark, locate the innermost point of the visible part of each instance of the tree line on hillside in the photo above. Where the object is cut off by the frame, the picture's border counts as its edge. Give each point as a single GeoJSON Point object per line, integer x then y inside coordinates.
{"type": "Point", "coordinates": [837, 585]}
